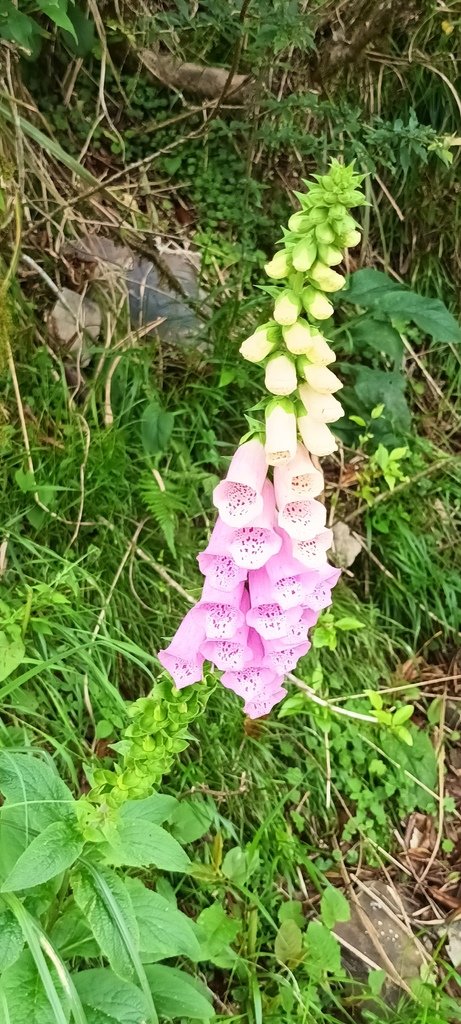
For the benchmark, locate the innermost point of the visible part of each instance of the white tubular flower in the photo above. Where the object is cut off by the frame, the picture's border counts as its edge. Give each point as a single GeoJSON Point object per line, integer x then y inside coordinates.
{"type": "Point", "coordinates": [281, 438]}
{"type": "Point", "coordinates": [304, 253]}
{"type": "Point", "coordinates": [259, 345]}
{"type": "Point", "coordinates": [316, 304]}
{"type": "Point", "coordinates": [325, 408]}
{"type": "Point", "coordinates": [316, 436]}
{"type": "Point", "coordinates": [279, 266]}
{"type": "Point", "coordinates": [281, 376]}
{"type": "Point", "coordinates": [325, 278]}
{"type": "Point", "coordinates": [322, 379]}
{"type": "Point", "coordinates": [298, 337]}
{"type": "Point", "coordinates": [319, 352]}
{"type": "Point", "coordinates": [287, 307]}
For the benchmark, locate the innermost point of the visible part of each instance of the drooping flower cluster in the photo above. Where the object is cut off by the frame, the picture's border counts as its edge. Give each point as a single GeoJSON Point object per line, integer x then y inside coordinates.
{"type": "Point", "coordinates": [266, 571]}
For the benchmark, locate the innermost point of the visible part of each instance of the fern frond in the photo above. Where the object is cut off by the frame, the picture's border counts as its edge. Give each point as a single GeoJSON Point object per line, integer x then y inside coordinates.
{"type": "Point", "coordinates": [163, 506]}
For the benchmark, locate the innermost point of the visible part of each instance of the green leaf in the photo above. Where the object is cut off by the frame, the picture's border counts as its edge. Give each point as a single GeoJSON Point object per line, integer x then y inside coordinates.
{"type": "Point", "coordinates": [82, 41]}
{"type": "Point", "coordinates": [34, 784]}
{"type": "Point", "coordinates": [156, 808]}
{"type": "Point", "coordinates": [156, 428]}
{"type": "Point", "coordinates": [17, 27]}
{"type": "Point", "coordinates": [12, 651]}
{"type": "Point", "coordinates": [349, 622]}
{"type": "Point", "coordinates": [215, 932]}
{"type": "Point", "coordinates": [379, 386]}
{"type": "Point", "coordinates": [365, 287]}
{"type": "Point", "coordinates": [109, 912]}
{"type": "Point", "coordinates": [71, 935]}
{"type": "Point", "coordinates": [49, 854]}
{"type": "Point", "coordinates": [402, 714]}
{"type": "Point", "coordinates": [289, 943]}
{"type": "Point", "coordinates": [430, 315]}
{"type": "Point", "coordinates": [163, 930]}
{"type": "Point", "coordinates": [376, 981]}
{"type": "Point", "coordinates": [23, 998]}
{"type": "Point", "coordinates": [292, 910]}
{"type": "Point", "coordinates": [108, 999]}
{"type": "Point", "coordinates": [176, 994]}
{"type": "Point", "coordinates": [334, 907]}
{"type": "Point", "coordinates": [239, 864]}
{"type": "Point", "coordinates": [139, 843]}
{"type": "Point", "coordinates": [191, 820]}
{"type": "Point", "coordinates": [377, 335]}
{"type": "Point", "coordinates": [11, 938]}
{"type": "Point", "coordinates": [57, 13]}
{"type": "Point", "coordinates": [324, 953]}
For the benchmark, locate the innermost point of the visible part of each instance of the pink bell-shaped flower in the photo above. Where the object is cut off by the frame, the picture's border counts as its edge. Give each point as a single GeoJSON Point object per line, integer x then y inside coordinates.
{"type": "Point", "coordinates": [182, 658]}
{"type": "Point", "coordinates": [297, 480]}
{"type": "Point", "coordinates": [239, 498]}
{"type": "Point", "coordinates": [302, 520]}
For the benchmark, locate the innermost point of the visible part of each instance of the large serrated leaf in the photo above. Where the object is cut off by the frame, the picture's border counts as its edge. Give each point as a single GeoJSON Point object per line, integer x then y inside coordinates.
{"type": "Point", "coordinates": [176, 994]}
{"type": "Point", "coordinates": [156, 808]}
{"type": "Point", "coordinates": [22, 996]}
{"type": "Point", "coordinates": [11, 938]}
{"type": "Point", "coordinates": [107, 999]}
{"type": "Point", "coordinates": [139, 843]}
{"type": "Point", "coordinates": [34, 784]}
{"type": "Point", "coordinates": [51, 852]}
{"type": "Point", "coordinates": [163, 930]}
{"type": "Point", "coordinates": [106, 904]}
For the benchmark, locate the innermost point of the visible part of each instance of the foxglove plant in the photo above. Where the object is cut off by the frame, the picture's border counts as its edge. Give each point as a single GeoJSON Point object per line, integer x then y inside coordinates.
{"type": "Point", "coordinates": [266, 572]}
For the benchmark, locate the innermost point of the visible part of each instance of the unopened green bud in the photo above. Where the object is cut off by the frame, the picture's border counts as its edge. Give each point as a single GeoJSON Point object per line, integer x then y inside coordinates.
{"type": "Point", "coordinates": [279, 266]}
{"type": "Point", "coordinates": [329, 255]}
{"type": "Point", "coordinates": [287, 307]}
{"type": "Point", "coordinates": [351, 238]}
{"type": "Point", "coordinates": [325, 278]}
{"type": "Point", "coordinates": [348, 223]}
{"type": "Point", "coordinates": [299, 221]}
{"type": "Point", "coordinates": [316, 304]}
{"type": "Point", "coordinates": [304, 253]}
{"type": "Point", "coordinates": [337, 211]}
{"type": "Point", "coordinates": [325, 234]}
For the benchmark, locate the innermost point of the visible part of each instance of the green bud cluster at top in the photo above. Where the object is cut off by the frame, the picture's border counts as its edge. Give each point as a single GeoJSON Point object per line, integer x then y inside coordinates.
{"type": "Point", "coordinates": [313, 244]}
{"type": "Point", "coordinates": [158, 731]}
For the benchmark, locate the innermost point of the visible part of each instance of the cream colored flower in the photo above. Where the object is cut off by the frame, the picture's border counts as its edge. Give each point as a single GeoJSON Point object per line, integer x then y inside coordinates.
{"type": "Point", "coordinates": [298, 337]}
{"type": "Point", "coordinates": [281, 439]}
{"type": "Point", "coordinates": [281, 376]}
{"type": "Point", "coordinates": [287, 307]}
{"type": "Point", "coordinates": [316, 436]}
{"type": "Point", "coordinates": [279, 266]}
{"type": "Point", "coordinates": [316, 304]}
{"type": "Point", "coordinates": [322, 379]}
{"type": "Point", "coordinates": [258, 346]}
{"type": "Point", "coordinates": [319, 352]}
{"type": "Point", "coordinates": [330, 255]}
{"type": "Point", "coordinates": [326, 278]}
{"type": "Point", "coordinates": [325, 408]}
